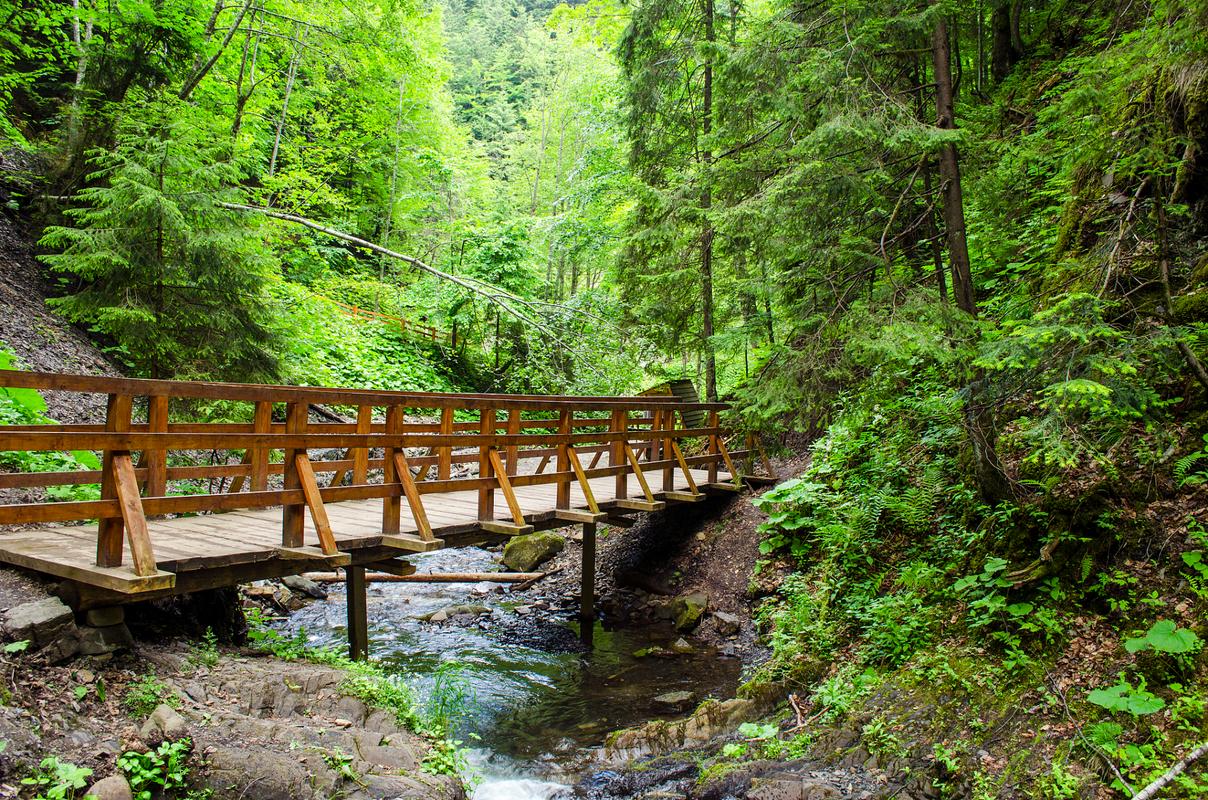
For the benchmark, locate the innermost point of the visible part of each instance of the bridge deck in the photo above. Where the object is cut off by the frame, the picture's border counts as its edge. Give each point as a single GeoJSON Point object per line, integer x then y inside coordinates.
{"type": "Point", "coordinates": [248, 543]}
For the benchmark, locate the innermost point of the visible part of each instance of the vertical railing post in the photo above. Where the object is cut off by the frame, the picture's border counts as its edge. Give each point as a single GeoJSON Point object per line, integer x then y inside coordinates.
{"type": "Point", "coordinates": [262, 422]}
{"type": "Point", "coordinates": [512, 451]}
{"type": "Point", "coordinates": [486, 494]}
{"type": "Point", "coordinates": [110, 529]}
{"type": "Point", "coordinates": [668, 424]}
{"type": "Point", "coordinates": [360, 455]}
{"type": "Point", "coordinates": [392, 505]}
{"type": "Point", "coordinates": [444, 460]}
{"type": "Point", "coordinates": [565, 427]}
{"type": "Point", "coordinates": [156, 459]}
{"type": "Point", "coordinates": [293, 515]}
{"type": "Point", "coordinates": [616, 452]}
{"type": "Point", "coordinates": [714, 445]}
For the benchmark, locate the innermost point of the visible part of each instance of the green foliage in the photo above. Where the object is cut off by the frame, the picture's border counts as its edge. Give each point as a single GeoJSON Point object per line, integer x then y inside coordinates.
{"type": "Point", "coordinates": [1185, 473]}
{"type": "Point", "coordinates": [57, 780]}
{"type": "Point", "coordinates": [161, 772]}
{"type": "Point", "coordinates": [145, 693]}
{"type": "Point", "coordinates": [205, 652]}
{"type": "Point", "coordinates": [1124, 697]}
{"type": "Point", "coordinates": [450, 701]}
{"type": "Point", "coordinates": [155, 265]}
{"type": "Point", "coordinates": [26, 407]}
{"type": "Point", "coordinates": [1165, 637]}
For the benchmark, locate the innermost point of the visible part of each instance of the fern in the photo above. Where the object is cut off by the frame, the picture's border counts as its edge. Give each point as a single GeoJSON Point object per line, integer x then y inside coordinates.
{"type": "Point", "coordinates": [1183, 476]}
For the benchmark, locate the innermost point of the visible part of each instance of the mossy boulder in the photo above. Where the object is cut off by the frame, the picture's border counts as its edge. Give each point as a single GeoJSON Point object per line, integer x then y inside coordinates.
{"type": "Point", "coordinates": [526, 553]}
{"type": "Point", "coordinates": [687, 610]}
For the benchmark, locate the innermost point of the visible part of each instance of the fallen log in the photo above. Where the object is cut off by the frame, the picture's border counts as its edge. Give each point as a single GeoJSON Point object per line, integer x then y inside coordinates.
{"type": "Point", "coordinates": [432, 577]}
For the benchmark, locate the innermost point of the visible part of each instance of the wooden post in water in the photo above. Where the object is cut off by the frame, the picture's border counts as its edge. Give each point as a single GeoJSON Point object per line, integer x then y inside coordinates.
{"type": "Point", "coordinates": [587, 590]}
{"type": "Point", "coordinates": [358, 617]}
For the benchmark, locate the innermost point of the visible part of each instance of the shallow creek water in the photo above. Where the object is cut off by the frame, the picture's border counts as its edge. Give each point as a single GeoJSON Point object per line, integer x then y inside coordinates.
{"type": "Point", "coordinates": [542, 702]}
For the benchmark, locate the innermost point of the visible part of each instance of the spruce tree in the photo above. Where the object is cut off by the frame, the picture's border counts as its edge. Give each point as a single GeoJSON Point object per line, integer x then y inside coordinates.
{"type": "Point", "coordinates": [155, 265]}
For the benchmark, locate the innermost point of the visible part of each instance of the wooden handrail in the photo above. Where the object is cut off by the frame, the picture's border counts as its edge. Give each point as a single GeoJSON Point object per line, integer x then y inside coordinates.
{"type": "Point", "coordinates": [566, 428]}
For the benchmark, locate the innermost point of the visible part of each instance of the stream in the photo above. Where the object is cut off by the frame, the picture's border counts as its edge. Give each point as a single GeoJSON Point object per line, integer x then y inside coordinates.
{"type": "Point", "coordinates": [539, 702]}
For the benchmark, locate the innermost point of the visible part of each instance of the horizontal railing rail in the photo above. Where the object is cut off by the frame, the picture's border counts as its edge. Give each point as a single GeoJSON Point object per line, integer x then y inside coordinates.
{"type": "Point", "coordinates": [383, 454]}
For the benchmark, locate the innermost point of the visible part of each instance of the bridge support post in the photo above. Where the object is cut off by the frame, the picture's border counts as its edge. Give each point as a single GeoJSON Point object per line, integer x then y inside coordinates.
{"type": "Point", "coordinates": [358, 618]}
{"type": "Point", "coordinates": [587, 589]}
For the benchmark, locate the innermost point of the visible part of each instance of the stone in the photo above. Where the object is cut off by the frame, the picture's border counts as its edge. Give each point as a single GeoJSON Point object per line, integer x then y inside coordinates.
{"type": "Point", "coordinates": [687, 610]}
{"type": "Point", "coordinates": [682, 646]}
{"type": "Point", "coordinates": [526, 553]}
{"type": "Point", "coordinates": [104, 617]}
{"type": "Point", "coordinates": [115, 787]}
{"type": "Point", "coordinates": [164, 723]}
{"type": "Point", "coordinates": [791, 787]}
{"type": "Point", "coordinates": [459, 610]}
{"type": "Point", "coordinates": [303, 585]}
{"type": "Point", "coordinates": [675, 701]}
{"type": "Point", "coordinates": [727, 624]}
{"type": "Point", "coordinates": [655, 652]}
{"type": "Point", "coordinates": [96, 641]}
{"type": "Point", "coordinates": [41, 622]}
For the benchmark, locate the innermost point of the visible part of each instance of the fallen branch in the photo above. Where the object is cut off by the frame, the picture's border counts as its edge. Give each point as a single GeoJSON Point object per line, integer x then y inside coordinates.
{"type": "Point", "coordinates": [1152, 789]}
{"type": "Point", "coordinates": [432, 577]}
{"type": "Point", "coordinates": [498, 297]}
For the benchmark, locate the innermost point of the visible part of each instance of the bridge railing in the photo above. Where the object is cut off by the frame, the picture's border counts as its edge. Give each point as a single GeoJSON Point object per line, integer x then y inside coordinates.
{"type": "Point", "coordinates": [382, 454]}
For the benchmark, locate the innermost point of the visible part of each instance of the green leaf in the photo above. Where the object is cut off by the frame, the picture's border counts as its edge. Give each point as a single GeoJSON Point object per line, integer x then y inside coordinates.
{"type": "Point", "coordinates": [17, 647]}
{"type": "Point", "coordinates": [1165, 637]}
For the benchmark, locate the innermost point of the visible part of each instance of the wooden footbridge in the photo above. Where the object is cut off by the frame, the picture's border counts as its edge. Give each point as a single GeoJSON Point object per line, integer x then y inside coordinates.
{"type": "Point", "coordinates": [187, 506]}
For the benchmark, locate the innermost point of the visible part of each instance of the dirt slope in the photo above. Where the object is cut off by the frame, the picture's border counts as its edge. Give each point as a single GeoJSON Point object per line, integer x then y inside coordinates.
{"type": "Point", "coordinates": [41, 339]}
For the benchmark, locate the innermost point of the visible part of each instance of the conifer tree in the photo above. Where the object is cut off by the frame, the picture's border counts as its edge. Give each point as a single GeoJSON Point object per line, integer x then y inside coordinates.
{"type": "Point", "coordinates": [172, 280]}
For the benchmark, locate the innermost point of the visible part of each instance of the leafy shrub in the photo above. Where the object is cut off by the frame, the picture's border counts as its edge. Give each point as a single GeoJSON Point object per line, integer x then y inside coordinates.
{"type": "Point", "coordinates": [157, 772]}
{"type": "Point", "coordinates": [144, 694]}
{"type": "Point", "coordinates": [57, 780]}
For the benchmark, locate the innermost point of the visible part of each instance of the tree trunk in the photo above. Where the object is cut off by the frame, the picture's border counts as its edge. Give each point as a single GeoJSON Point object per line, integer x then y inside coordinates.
{"type": "Point", "coordinates": [933, 236]}
{"type": "Point", "coordinates": [954, 211]}
{"type": "Point", "coordinates": [200, 73]}
{"type": "Point", "coordinates": [289, 88]}
{"type": "Point", "coordinates": [1003, 54]}
{"type": "Point", "coordinates": [706, 202]}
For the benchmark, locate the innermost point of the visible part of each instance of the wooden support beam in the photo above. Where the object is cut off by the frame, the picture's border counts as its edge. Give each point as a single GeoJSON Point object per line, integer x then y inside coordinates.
{"type": "Point", "coordinates": [641, 505]}
{"type": "Point", "coordinates": [684, 497]}
{"type": "Point", "coordinates": [237, 482]}
{"type": "Point", "coordinates": [156, 460]}
{"type": "Point", "coordinates": [667, 423]}
{"type": "Point", "coordinates": [395, 566]}
{"type": "Point", "coordinates": [109, 529]}
{"type": "Point", "coordinates": [262, 422]}
{"type": "Point", "coordinates": [304, 553]}
{"type": "Point", "coordinates": [486, 468]}
{"type": "Point", "coordinates": [358, 615]}
{"type": "Point", "coordinates": [392, 509]}
{"type": "Point", "coordinates": [314, 501]}
{"type": "Point", "coordinates": [412, 544]}
{"type": "Point", "coordinates": [735, 476]}
{"type": "Point", "coordinates": [504, 528]}
{"type": "Point", "coordinates": [584, 484]}
{"type": "Point", "coordinates": [293, 523]}
{"type": "Point", "coordinates": [587, 585]}
{"type": "Point", "coordinates": [679, 456]}
{"type": "Point", "coordinates": [637, 473]}
{"type": "Point", "coordinates": [141, 555]}
{"type": "Point", "coordinates": [403, 470]}
{"type": "Point", "coordinates": [505, 486]}
{"type": "Point", "coordinates": [574, 515]}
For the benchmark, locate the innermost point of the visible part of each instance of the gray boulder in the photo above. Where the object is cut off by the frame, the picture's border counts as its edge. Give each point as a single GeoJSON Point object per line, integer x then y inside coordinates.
{"type": "Point", "coordinates": [115, 787]}
{"type": "Point", "coordinates": [526, 553]}
{"type": "Point", "coordinates": [98, 641]}
{"type": "Point", "coordinates": [41, 622]}
{"type": "Point", "coordinates": [674, 701]}
{"type": "Point", "coordinates": [302, 585]}
{"type": "Point", "coordinates": [727, 624]}
{"type": "Point", "coordinates": [164, 723]}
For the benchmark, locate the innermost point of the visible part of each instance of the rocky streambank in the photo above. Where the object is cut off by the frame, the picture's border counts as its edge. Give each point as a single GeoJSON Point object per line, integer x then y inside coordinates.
{"type": "Point", "coordinates": [253, 726]}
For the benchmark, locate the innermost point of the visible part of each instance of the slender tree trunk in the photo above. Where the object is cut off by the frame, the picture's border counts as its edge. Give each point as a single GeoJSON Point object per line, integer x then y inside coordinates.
{"type": "Point", "coordinates": [706, 239]}
{"type": "Point", "coordinates": [954, 210]}
{"type": "Point", "coordinates": [289, 88]}
{"type": "Point", "coordinates": [202, 71]}
{"type": "Point", "coordinates": [933, 237]}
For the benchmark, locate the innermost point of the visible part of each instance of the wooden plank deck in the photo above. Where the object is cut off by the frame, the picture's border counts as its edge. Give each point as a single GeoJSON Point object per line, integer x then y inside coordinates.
{"type": "Point", "coordinates": [243, 545]}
